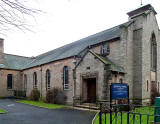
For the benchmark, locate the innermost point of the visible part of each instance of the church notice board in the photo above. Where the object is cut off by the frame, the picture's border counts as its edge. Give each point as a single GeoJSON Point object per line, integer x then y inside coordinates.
{"type": "Point", "coordinates": [119, 91]}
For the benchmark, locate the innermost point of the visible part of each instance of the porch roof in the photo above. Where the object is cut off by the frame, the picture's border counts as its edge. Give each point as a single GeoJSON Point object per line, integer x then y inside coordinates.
{"type": "Point", "coordinates": [107, 61]}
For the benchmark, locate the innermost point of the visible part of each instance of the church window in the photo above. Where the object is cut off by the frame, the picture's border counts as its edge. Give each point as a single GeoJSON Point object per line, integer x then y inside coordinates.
{"type": "Point", "coordinates": [48, 75]}
{"type": "Point", "coordinates": [34, 80]}
{"type": "Point", "coordinates": [9, 81]}
{"type": "Point", "coordinates": [65, 77]}
{"type": "Point", "coordinates": [153, 53]}
{"type": "Point", "coordinates": [158, 87]}
{"type": "Point", "coordinates": [147, 85]}
{"type": "Point", "coordinates": [25, 82]}
{"type": "Point", "coordinates": [105, 49]}
{"type": "Point", "coordinates": [121, 80]}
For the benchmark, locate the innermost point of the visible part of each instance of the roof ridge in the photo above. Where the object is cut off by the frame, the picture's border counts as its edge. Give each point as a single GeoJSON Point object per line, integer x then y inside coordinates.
{"type": "Point", "coordinates": [81, 39]}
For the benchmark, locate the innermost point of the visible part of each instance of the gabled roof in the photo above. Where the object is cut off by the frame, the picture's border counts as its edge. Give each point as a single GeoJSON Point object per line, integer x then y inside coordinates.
{"type": "Point", "coordinates": [15, 62]}
{"type": "Point", "coordinates": [66, 51]}
{"type": "Point", "coordinates": [76, 47]}
{"type": "Point", "coordinates": [107, 61]}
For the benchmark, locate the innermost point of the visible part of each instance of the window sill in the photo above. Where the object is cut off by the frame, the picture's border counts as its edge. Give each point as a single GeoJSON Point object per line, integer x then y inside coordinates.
{"type": "Point", "coordinates": [104, 54]}
{"type": "Point", "coordinates": [10, 89]}
{"type": "Point", "coordinates": [66, 89]}
{"type": "Point", "coordinates": [153, 70]}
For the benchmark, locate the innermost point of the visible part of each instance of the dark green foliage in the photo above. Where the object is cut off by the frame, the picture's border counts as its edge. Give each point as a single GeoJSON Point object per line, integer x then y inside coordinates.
{"type": "Point", "coordinates": [35, 95]}
{"type": "Point", "coordinates": [55, 96]}
{"type": "Point", "coordinates": [154, 94]}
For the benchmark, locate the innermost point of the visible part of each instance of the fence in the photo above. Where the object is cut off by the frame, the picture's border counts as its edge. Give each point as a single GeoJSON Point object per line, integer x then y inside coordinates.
{"type": "Point", "coordinates": [120, 114]}
{"type": "Point", "coordinates": [18, 93]}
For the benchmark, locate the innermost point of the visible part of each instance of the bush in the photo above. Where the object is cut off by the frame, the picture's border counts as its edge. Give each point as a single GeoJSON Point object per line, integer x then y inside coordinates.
{"type": "Point", "coordinates": [55, 96]}
{"type": "Point", "coordinates": [123, 104]}
{"type": "Point", "coordinates": [35, 95]}
{"type": "Point", "coordinates": [154, 93]}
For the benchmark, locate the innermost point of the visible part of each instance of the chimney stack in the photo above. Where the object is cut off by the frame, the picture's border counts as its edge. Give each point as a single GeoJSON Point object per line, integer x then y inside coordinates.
{"type": "Point", "coordinates": [1, 51]}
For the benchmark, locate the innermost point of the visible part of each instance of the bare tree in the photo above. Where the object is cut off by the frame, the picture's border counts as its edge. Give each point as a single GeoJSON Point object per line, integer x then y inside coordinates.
{"type": "Point", "coordinates": [14, 13]}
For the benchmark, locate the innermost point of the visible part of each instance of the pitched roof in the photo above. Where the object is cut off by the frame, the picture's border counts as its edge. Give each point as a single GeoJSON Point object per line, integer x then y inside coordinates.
{"type": "Point", "coordinates": [15, 62]}
{"type": "Point", "coordinates": [69, 50]}
{"type": "Point", "coordinates": [107, 61]}
{"type": "Point", "coordinates": [76, 47]}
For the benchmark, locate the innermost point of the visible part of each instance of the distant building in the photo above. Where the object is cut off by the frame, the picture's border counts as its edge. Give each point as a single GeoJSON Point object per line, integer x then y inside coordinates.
{"type": "Point", "coordinates": [128, 53]}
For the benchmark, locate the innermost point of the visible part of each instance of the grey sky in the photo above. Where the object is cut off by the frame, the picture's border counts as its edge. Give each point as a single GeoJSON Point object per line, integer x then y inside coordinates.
{"type": "Point", "coordinates": [65, 21]}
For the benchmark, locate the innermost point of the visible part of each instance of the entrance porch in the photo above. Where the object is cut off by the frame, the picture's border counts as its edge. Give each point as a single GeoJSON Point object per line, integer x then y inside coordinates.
{"type": "Point", "coordinates": [89, 90]}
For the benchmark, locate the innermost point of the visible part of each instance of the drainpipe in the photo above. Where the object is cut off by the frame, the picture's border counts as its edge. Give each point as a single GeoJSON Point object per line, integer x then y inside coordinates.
{"type": "Point", "coordinates": [74, 81]}
{"type": "Point", "coordinates": [74, 76]}
{"type": "Point", "coordinates": [41, 81]}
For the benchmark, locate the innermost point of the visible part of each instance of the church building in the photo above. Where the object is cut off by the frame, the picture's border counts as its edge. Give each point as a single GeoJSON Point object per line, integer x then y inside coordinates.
{"type": "Point", "coordinates": [84, 69]}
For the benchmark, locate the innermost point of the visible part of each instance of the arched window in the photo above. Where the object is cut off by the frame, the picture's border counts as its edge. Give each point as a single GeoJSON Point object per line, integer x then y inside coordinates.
{"type": "Point", "coordinates": [121, 80]}
{"type": "Point", "coordinates": [66, 78]}
{"type": "Point", "coordinates": [153, 53]}
{"type": "Point", "coordinates": [25, 82]}
{"type": "Point", "coordinates": [9, 81]}
{"type": "Point", "coordinates": [48, 75]}
{"type": "Point", "coordinates": [158, 87]}
{"type": "Point", "coordinates": [34, 80]}
{"type": "Point", "coordinates": [147, 85]}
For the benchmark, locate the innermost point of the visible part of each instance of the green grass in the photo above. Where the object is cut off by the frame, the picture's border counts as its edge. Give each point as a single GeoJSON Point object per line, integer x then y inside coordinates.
{"type": "Point", "coordinates": [41, 104]}
{"type": "Point", "coordinates": [142, 111]}
{"type": "Point", "coordinates": [2, 111]}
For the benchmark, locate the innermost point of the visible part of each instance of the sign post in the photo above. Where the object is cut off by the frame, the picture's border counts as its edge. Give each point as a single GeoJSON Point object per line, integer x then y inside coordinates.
{"type": "Point", "coordinates": [118, 91]}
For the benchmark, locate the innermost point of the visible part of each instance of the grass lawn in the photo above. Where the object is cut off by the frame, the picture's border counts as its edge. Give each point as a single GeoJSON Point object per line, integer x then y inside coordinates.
{"type": "Point", "coordinates": [41, 104]}
{"type": "Point", "coordinates": [144, 111]}
{"type": "Point", "coordinates": [2, 111]}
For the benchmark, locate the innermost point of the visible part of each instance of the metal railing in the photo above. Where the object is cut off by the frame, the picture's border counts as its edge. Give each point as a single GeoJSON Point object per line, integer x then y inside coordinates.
{"type": "Point", "coordinates": [127, 114]}
{"type": "Point", "coordinates": [19, 93]}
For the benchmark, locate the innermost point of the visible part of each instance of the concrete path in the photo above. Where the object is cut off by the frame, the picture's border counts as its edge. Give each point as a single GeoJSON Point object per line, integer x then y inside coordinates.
{"type": "Point", "coordinates": [25, 114]}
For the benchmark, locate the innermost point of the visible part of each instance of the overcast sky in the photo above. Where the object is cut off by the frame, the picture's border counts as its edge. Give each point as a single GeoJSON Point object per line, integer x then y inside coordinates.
{"type": "Point", "coordinates": [65, 21]}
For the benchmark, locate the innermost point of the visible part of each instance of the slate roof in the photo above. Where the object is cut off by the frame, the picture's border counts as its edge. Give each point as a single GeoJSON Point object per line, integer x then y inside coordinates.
{"type": "Point", "coordinates": [15, 62]}
{"type": "Point", "coordinates": [76, 47]}
{"type": "Point", "coordinates": [107, 61]}
{"type": "Point", "coordinates": [69, 50]}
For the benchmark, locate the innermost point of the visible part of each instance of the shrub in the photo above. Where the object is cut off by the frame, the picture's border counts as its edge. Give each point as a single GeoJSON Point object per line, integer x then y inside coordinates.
{"type": "Point", "coordinates": [124, 106]}
{"type": "Point", "coordinates": [154, 93]}
{"type": "Point", "coordinates": [35, 95]}
{"type": "Point", "coordinates": [55, 96]}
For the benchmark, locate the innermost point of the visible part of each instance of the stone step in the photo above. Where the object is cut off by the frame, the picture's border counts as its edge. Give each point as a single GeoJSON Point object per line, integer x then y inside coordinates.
{"type": "Point", "coordinates": [86, 106]}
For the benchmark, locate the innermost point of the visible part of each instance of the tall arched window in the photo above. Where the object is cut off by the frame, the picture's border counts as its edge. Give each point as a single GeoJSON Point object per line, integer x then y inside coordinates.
{"type": "Point", "coordinates": [153, 53]}
{"type": "Point", "coordinates": [25, 82]}
{"type": "Point", "coordinates": [147, 85]}
{"type": "Point", "coordinates": [48, 75]}
{"type": "Point", "coordinates": [34, 80]}
{"type": "Point", "coordinates": [9, 81]}
{"type": "Point", "coordinates": [66, 78]}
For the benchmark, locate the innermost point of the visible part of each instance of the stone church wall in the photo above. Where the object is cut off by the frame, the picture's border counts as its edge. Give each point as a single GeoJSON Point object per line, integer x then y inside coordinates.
{"type": "Point", "coordinates": [16, 82]}
{"type": "Point", "coordinates": [90, 67]}
{"type": "Point", "coordinates": [56, 80]}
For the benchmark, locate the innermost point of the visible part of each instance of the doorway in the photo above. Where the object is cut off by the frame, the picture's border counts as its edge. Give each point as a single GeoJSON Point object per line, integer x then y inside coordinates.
{"type": "Point", "coordinates": [89, 90]}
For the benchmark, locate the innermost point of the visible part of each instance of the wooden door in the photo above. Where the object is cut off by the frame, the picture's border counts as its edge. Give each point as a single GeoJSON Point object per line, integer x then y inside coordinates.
{"type": "Point", "coordinates": [91, 90]}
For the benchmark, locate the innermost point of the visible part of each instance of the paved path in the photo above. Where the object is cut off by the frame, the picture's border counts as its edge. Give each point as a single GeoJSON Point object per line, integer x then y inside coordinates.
{"type": "Point", "coordinates": [25, 114]}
